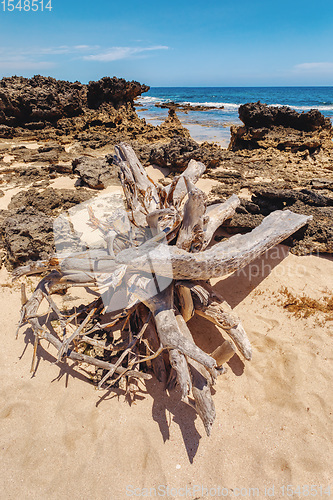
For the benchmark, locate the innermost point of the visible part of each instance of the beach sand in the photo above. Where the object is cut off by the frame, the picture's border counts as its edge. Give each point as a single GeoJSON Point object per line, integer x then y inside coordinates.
{"type": "Point", "coordinates": [60, 438]}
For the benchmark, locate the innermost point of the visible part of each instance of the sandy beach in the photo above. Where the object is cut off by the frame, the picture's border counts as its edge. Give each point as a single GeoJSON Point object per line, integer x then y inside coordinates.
{"type": "Point", "coordinates": [60, 438]}
{"type": "Point", "coordinates": [272, 436]}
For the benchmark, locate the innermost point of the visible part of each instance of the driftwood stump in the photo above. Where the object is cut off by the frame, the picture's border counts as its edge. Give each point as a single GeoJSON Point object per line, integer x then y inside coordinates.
{"type": "Point", "coordinates": [156, 254]}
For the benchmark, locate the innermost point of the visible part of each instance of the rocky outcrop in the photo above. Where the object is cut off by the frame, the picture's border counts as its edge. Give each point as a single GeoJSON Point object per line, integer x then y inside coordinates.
{"type": "Point", "coordinates": [27, 235]}
{"type": "Point", "coordinates": [49, 201]}
{"type": "Point", "coordinates": [97, 173]}
{"type": "Point", "coordinates": [185, 108]}
{"type": "Point", "coordinates": [38, 101]}
{"type": "Point", "coordinates": [282, 128]}
{"type": "Point", "coordinates": [26, 228]}
{"type": "Point", "coordinates": [179, 151]}
{"type": "Point", "coordinates": [95, 114]}
{"type": "Point", "coordinates": [116, 91]}
{"type": "Point", "coordinates": [315, 237]}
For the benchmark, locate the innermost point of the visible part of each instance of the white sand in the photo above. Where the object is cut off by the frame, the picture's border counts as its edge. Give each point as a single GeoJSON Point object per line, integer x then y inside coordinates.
{"type": "Point", "coordinates": [62, 439]}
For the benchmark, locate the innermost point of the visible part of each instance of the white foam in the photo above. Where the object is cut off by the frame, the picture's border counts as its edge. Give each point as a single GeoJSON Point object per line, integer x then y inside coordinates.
{"type": "Point", "coordinates": [227, 105]}
{"type": "Point", "coordinates": [149, 99]}
{"type": "Point", "coordinates": [328, 107]}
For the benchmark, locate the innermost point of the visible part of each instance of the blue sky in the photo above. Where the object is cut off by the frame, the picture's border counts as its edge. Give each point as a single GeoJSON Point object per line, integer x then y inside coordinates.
{"type": "Point", "coordinates": [173, 43]}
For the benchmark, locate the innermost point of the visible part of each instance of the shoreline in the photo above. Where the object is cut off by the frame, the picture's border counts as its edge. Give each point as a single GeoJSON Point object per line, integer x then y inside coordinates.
{"type": "Point", "coordinates": [60, 437]}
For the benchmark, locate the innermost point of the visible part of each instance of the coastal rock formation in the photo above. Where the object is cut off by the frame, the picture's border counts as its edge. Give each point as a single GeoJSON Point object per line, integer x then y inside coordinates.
{"type": "Point", "coordinates": [179, 151]}
{"type": "Point", "coordinates": [26, 228]}
{"type": "Point", "coordinates": [97, 173]}
{"type": "Point", "coordinates": [27, 234]}
{"type": "Point", "coordinates": [95, 114]}
{"type": "Point", "coordinates": [315, 237]}
{"type": "Point", "coordinates": [116, 91]}
{"type": "Point", "coordinates": [185, 108]}
{"type": "Point", "coordinates": [282, 128]}
{"type": "Point", "coordinates": [38, 101]}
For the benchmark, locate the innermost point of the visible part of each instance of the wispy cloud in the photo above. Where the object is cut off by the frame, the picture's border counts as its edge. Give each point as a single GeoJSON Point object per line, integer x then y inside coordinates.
{"type": "Point", "coordinates": [315, 67]}
{"type": "Point", "coordinates": [43, 58]}
{"type": "Point", "coordinates": [117, 53]}
{"type": "Point", "coordinates": [19, 63]}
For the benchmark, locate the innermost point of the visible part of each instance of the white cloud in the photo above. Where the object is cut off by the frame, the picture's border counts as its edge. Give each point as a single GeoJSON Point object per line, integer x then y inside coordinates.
{"type": "Point", "coordinates": [31, 58]}
{"type": "Point", "coordinates": [117, 53]}
{"type": "Point", "coordinates": [18, 64]}
{"type": "Point", "coordinates": [315, 67]}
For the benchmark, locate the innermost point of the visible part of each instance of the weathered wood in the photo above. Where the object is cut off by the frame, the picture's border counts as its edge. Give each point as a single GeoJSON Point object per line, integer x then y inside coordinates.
{"type": "Point", "coordinates": [225, 257]}
{"type": "Point", "coordinates": [148, 195]}
{"type": "Point", "coordinates": [185, 302]}
{"type": "Point", "coordinates": [161, 305]}
{"type": "Point", "coordinates": [193, 172]}
{"type": "Point", "coordinates": [217, 310]}
{"type": "Point", "coordinates": [201, 384]}
{"type": "Point", "coordinates": [223, 353]}
{"type": "Point", "coordinates": [191, 235]}
{"type": "Point", "coordinates": [215, 215]}
{"type": "Point", "coordinates": [157, 279]}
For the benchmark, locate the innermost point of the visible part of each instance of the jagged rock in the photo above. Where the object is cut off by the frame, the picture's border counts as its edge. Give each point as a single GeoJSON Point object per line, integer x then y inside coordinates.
{"type": "Point", "coordinates": [49, 201]}
{"type": "Point", "coordinates": [48, 153]}
{"type": "Point", "coordinates": [113, 90]}
{"type": "Point", "coordinates": [259, 115]}
{"type": "Point", "coordinates": [96, 114]}
{"type": "Point", "coordinates": [179, 151]}
{"type": "Point", "coordinates": [186, 107]}
{"type": "Point", "coordinates": [316, 236]}
{"type": "Point", "coordinates": [97, 173]}
{"type": "Point", "coordinates": [27, 235]}
{"type": "Point", "coordinates": [27, 228]}
{"type": "Point", "coordinates": [282, 128]}
{"type": "Point", "coordinates": [38, 100]}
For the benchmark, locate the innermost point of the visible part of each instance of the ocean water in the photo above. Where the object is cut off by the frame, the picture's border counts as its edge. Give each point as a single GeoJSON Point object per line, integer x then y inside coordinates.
{"type": "Point", "coordinates": [214, 124]}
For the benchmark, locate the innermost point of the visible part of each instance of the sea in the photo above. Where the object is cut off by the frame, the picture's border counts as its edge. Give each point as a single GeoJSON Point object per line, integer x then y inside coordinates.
{"type": "Point", "coordinates": [214, 125]}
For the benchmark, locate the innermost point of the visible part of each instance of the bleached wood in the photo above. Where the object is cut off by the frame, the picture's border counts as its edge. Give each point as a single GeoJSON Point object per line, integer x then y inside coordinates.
{"type": "Point", "coordinates": [217, 310]}
{"type": "Point", "coordinates": [223, 353]}
{"type": "Point", "coordinates": [216, 215]}
{"type": "Point", "coordinates": [225, 257]}
{"type": "Point", "coordinates": [191, 236]}
{"type": "Point", "coordinates": [193, 172]}
{"type": "Point", "coordinates": [148, 195]}
{"type": "Point", "coordinates": [201, 384]}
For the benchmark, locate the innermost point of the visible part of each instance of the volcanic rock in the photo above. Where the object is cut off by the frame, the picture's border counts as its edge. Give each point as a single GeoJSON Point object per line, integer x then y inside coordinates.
{"type": "Point", "coordinates": [186, 107]}
{"type": "Point", "coordinates": [282, 128]}
{"type": "Point", "coordinates": [315, 237]}
{"type": "Point", "coordinates": [26, 228]}
{"type": "Point", "coordinates": [97, 173]}
{"type": "Point", "coordinates": [96, 114]}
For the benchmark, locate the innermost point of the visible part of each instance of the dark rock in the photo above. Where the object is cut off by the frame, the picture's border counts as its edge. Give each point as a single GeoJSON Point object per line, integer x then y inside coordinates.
{"type": "Point", "coordinates": [185, 107]}
{"type": "Point", "coordinates": [27, 227]}
{"type": "Point", "coordinates": [97, 173]}
{"type": "Point", "coordinates": [282, 128]}
{"type": "Point", "coordinates": [6, 132]}
{"type": "Point", "coordinates": [98, 114]}
{"type": "Point", "coordinates": [113, 90]}
{"type": "Point", "coordinates": [258, 115]}
{"type": "Point", "coordinates": [38, 100]}
{"type": "Point", "coordinates": [49, 201]}
{"type": "Point", "coordinates": [177, 154]}
{"type": "Point", "coordinates": [27, 235]}
{"type": "Point", "coordinates": [316, 236]}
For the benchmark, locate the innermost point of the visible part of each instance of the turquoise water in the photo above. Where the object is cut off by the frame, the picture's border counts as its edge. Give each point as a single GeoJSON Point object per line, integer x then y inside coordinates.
{"type": "Point", "coordinates": [214, 125]}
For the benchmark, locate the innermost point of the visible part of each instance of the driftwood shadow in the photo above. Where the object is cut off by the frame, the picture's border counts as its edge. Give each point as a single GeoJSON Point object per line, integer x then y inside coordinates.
{"type": "Point", "coordinates": [238, 285]}
{"type": "Point", "coordinates": [65, 370]}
